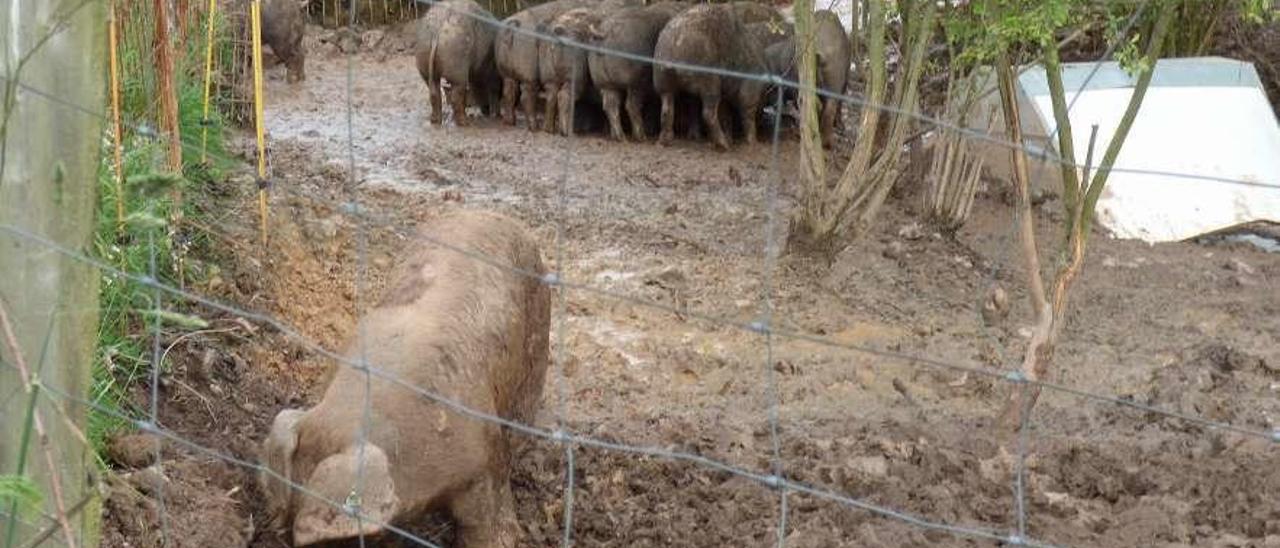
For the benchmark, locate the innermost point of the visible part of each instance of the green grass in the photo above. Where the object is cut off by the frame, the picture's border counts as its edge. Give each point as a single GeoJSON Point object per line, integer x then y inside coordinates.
{"type": "Point", "coordinates": [125, 333]}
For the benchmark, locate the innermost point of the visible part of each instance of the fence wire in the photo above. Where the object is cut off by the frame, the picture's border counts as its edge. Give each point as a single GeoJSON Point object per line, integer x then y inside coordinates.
{"type": "Point", "coordinates": [769, 263]}
{"type": "Point", "coordinates": [910, 359]}
{"type": "Point", "coordinates": [765, 327]}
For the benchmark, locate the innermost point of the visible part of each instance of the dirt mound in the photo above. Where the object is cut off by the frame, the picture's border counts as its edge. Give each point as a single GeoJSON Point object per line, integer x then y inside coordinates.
{"type": "Point", "coordinates": [184, 503]}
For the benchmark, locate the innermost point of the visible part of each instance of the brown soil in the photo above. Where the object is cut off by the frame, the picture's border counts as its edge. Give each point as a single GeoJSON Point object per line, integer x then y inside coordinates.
{"type": "Point", "coordinates": [1189, 328]}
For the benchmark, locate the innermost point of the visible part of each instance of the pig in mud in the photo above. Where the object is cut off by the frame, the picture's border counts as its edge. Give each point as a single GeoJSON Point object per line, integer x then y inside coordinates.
{"type": "Point", "coordinates": [713, 35]}
{"type": "Point", "coordinates": [562, 69]}
{"type": "Point", "coordinates": [632, 30]}
{"type": "Point", "coordinates": [833, 55]}
{"type": "Point", "coordinates": [516, 56]}
{"type": "Point", "coordinates": [283, 24]}
{"type": "Point", "coordinates": [468, 331]}
{"type": "Point", "coordinates": [456, 46]}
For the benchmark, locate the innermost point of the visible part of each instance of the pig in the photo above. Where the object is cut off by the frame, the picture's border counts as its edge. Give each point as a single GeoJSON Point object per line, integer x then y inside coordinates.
{"type": "Point", "coordinates": [562, 69]}
{"type": "Point", "coordinates": [472, 332]}
{"type": "Point", "coordinates": [516, 55]}
{"type": "Point", "coordinates": [456, 46]}
{"type": "Point", "coordinates": [632, 30]}
{"type": "Point", "coordinates": [283, 24]}
{"type": "Point", "coordinates": [832, 53]}
{"type": "Point", "coordinates": [712, 35]}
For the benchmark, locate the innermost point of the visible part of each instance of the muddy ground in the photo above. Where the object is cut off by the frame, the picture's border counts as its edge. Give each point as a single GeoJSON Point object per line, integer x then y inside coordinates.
{"type": "Point", "coordinates": [1186, 327]}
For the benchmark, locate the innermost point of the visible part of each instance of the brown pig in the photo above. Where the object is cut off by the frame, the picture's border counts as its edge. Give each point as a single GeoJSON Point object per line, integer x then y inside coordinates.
{"type": "Point", "coordinates": [516, 54]}
{"type": "Point", "coordinates": [832, 53]}
{"type": "Point", "coordinates": [562, 68]}
{"type": "Point", "coordinates": [455, 45]}
{"type": "Point", "coordinates": [468, 331]}
{"type": "Point", "coordinates": [283, 24]}
{"type": "Point", "coordinates": [713, 35]}
{"type": "Point", "coordinates": [633, 30]}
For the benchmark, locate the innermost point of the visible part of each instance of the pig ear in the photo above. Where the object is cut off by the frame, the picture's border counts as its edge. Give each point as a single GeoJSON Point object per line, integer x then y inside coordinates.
{"type": "Point", "coordinates": [277, 456]}
{"type": "Point", "coordinates": [335, 479]}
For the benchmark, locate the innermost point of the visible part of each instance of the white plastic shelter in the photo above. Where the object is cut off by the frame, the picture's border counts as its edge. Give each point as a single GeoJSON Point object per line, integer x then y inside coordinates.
{"type": "Point", "coordinates": [1206, 117]}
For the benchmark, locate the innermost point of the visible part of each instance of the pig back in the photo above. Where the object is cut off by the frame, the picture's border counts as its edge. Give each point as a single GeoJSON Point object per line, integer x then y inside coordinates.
{"type": "Point", "coordinates": [712, 35]}
{"type": "Point", "coordinates": [470, 330]}
{"type": "Point", "coordinates": [632, 30]}
{"type": "Point", "coordinates": [516, 52]}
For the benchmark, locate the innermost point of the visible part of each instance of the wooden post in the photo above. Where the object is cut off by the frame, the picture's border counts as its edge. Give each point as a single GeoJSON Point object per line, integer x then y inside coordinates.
{"type": "Point", "coordinates": [180, 13]}
{"type": "Point", "coordinates": [48, 191]}
{"type": "Point", "coordinates": [118, 141]}
{"type": "Point", "coordinates": [167, 89]}
{"type": "Point", "coordinates": [255, 15]}
{"type": "Point", "coordinates": [166, 86]}
{"type": "Point", "coordinates": [208, 79]}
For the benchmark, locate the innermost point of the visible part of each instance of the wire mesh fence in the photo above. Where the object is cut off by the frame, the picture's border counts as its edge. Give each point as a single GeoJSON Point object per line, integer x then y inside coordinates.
{"type": "Point", "coordinates": [764, 327]}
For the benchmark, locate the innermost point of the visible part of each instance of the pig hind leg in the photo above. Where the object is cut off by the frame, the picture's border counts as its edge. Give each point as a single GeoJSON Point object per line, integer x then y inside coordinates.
{"type": "Point", "coordinates": [437, 100]}
{"type": "Point", "coordinates": [550, 106]}
{"type": "Point", "coordinates": [635, 111]}
{"type": "Point", "coordinates": [509, 89]}
{"type": "Point", "coordinates": [830, 109]}
{"type": "Point", "coordinates": [529, 102]}
{"type": "Point", "coordinates": [711, 116]}
{"type": "Point", "coordinates": [295, 67]}
{"type": "Point", "coordinates": [567, 103]}
{"type": "Point", "coordinates": [668, 118]}
{"type": "Point", "coordinates": [458, 102]}
{"type": "Point", "coordinates": [610, 100]}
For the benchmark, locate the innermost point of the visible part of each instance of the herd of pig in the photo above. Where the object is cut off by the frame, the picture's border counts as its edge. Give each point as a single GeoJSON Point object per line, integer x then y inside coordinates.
{"type": "Point", "coordinates": [529, 58]}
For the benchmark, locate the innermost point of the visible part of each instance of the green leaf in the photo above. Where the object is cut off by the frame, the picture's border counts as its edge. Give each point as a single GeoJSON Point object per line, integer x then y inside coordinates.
{"type": "Point", "coordinates": [145, 219]}
{"type": "Point", "coordinates": [176, 318]}
{"type": "Point", "coordinates": [20, 491]}
{"type": "Point", "coordinates": [153, 185]}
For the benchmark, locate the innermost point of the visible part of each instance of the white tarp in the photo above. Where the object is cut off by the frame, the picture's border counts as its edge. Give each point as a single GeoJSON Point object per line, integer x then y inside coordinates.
{"type": "Point", "coordinates": [1202, 117]}
{"type": "Point", "coordinates": [1206, 117]}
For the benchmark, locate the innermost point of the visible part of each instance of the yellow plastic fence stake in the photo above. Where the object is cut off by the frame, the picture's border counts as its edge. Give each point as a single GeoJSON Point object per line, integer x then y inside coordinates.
{"type": "Point", "coordinates": [208, 82]}
{"type": "Point", "coordinates": [255, 15]}
{"type": "Point", "coordinates": [114, 39]}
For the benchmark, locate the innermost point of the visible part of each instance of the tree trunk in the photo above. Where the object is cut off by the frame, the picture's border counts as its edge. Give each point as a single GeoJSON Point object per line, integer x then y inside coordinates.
{"type": "Point", "coordinates": [813, 224]}
{"type": "Point", "coordinates": [1050, 311]}
{"type": "Point", "coordinates": [828, 211]}
{"type": "Point", "coordinates": [48, 182]}
{"type": "Point", "coordinates": [813, 164]}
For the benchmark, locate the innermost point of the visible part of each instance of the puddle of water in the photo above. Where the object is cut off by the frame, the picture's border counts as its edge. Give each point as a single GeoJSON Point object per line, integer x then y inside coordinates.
{"type": "Point", "coordinates": [1265, 243]}
{"type": "Point", "coordinates": [1270, 245]}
